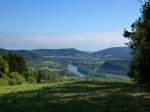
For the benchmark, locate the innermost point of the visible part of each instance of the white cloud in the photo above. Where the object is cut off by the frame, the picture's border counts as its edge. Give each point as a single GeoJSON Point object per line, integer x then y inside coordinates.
{"type": "Point", "coordinates": [89, 41]}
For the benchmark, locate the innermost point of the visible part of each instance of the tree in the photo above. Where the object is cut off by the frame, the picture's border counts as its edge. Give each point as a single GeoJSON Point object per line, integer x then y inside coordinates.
{"type": "Point", "coordinates": [139, 42]}
{"type": "Point", "coordinates": [15, 78]}
{"type": "Point", "coordinates": [16, 63]}
{"type": "Point", "coordinates": [3, 67]}
{"type": "Point", "coordinates": [46, 76]}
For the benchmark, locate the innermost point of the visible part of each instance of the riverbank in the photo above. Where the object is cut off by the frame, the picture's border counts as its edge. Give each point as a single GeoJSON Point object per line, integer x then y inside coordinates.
{"type": "Point", "coordinates": [74, 69]}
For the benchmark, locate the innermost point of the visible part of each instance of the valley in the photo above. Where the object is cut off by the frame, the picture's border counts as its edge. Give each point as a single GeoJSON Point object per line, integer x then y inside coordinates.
{"type": "Point", "coordinates": [74, 55]}
{"type": "Point", "coordinates": [111, 61]}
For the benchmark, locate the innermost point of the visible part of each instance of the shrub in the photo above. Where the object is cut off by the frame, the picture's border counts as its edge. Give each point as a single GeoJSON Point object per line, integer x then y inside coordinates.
{"type": "Point", "coordinates": [31, 76]}
{"type": "Point", "coordinates": [16, 78]}
{"type": "Point", "coordinates": [4, 82]}
{"type": "Point", "coordinates": [46, 76]}
{"type": "Point", "coordinates": [32, 80]}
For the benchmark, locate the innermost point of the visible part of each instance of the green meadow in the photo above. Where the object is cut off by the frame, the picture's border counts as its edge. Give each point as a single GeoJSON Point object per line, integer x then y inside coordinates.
{"type": "Point", "coordinates": [76, 96]}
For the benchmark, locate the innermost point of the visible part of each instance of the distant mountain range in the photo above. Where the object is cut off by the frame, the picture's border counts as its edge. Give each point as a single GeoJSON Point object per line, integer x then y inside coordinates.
{"type": "Point", "coordinates": [116, 60]}
{"type": "Point", "coordinates": [115, 52]}
{"type": "Point", "coordinates": [58, 52]}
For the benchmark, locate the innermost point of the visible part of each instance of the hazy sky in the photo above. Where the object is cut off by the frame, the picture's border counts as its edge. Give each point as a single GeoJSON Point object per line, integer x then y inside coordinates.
{"type": "Point", "coordinates": [83, 24]}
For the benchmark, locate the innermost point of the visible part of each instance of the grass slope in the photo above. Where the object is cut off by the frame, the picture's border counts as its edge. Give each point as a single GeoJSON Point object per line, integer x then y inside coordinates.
{"type": "Point", "coordinates": [77, 96]}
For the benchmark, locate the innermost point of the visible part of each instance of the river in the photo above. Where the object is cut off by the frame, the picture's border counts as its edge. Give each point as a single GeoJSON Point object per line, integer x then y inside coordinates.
{"type": "Point", "coordinates": [74, 69]}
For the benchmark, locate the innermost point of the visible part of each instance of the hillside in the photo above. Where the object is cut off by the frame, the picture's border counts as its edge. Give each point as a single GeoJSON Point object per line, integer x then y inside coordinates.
{"type": "Point", "coordinates": [25, 53]}
{"type": "Point", "coordinates": [75, 96]}
{"type": "Point", "coordinates": [115, 67]}
{"type": "Point", "coordinates": [108, 61]}
{"type": "Point", "coordinates": [70, 52]}
{"type": "Point", "coordinates": [114, 52]}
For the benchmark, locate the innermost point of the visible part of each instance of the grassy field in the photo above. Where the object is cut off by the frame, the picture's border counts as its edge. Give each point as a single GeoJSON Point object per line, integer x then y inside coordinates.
{"type": "Point", "coordinates": [76, 96]}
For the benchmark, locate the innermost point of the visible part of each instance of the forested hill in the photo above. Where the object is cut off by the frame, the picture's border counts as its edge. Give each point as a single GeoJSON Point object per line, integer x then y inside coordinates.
{"type": "Point", "coordinates": [60, 52]}
{"type": "Point", "coordinates": [115, 52]}
{"type": "Point", "coordinates": [25, 53]}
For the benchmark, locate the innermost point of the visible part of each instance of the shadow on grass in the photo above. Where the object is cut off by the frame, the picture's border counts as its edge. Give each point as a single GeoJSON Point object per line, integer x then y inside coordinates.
{"type": "Point", "coordinates": [83, 96]}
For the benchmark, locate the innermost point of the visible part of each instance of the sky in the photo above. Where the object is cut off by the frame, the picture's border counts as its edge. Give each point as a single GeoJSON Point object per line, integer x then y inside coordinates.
{"type": "Point", "coordinates": [87, 25]}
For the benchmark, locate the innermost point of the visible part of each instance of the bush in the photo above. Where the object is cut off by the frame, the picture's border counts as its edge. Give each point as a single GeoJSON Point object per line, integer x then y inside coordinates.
{"type": "Point", "coordinates": [31, 76]}
{"type": "Point", "coordinates": [46, 76]}
{"type": "Point", "coordinates": [4, 82]}
{"type": "Point", "coordinates": [32, 80]}
{"type": "Point", "coordinates": [16, 78]}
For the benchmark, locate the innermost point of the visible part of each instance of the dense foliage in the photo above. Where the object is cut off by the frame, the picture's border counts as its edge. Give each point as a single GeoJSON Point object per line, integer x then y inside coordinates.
{"type": "Point", "coordinates": [13, 70]}
{"type": "Point", "coordinates": [140, 44]}
{"type": "Point", "coordinates": [3, 67]}
{"type": "Point", "coordinates": [16, 63]}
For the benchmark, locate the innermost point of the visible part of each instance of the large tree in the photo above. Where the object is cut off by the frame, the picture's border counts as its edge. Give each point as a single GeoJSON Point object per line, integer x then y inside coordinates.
{"type": "Point", "coordinates": [139, 42]}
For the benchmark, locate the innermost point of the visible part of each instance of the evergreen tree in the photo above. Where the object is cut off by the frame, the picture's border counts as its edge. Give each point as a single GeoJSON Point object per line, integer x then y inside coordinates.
{"type": "Point", "coordinates": [39, 76]}
{"type": "Point", "coordinates": [16, 63]}
{"type": "Point", "coordinates": [3, 67]}
{"type": "Point", "coordinates": [139, 42]}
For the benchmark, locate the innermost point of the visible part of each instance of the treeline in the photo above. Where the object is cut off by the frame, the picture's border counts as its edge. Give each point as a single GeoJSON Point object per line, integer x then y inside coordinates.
{"type": "Point", "coordinates": [139, 42]}
{"type": "Point", "coordinates": [13, 70]}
